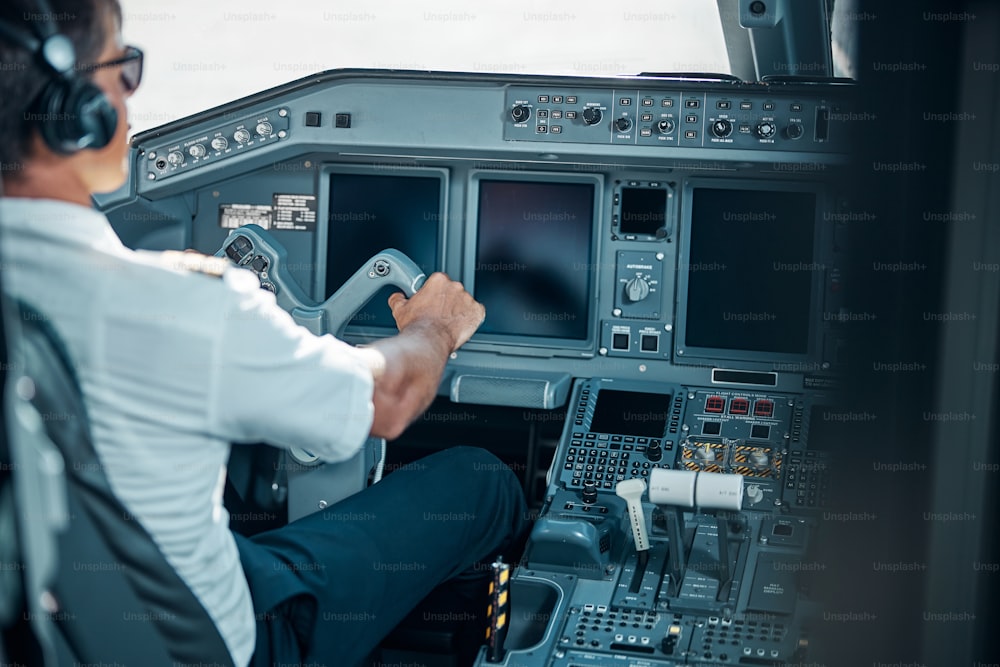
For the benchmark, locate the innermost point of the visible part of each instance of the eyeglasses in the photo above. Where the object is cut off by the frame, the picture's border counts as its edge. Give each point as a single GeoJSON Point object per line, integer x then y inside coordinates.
{"type": "Point", "coordinates": [131, 64]}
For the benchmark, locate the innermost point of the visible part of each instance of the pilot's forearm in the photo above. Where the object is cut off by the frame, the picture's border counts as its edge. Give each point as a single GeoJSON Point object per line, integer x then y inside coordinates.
{"type": "Point", "coordinates": [407, 369]}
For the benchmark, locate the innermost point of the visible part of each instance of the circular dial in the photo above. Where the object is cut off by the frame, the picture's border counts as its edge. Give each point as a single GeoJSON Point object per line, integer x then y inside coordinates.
{"type": "Point", "coordinates": [520, 113]}
{"type": "Point", "coordinates": [241, 136]}
{"type": "Point", "coordinates": [637, 289]}
{"type": "Point", "coordinates": [264, 129]}
{"type": "Point", "coordinates": [623, 124]}
{"type": "Point", "coordinates": [665, 126]}
{"type": "Point", "coordinates": [592, 115]}
{"type": "Point", "coordinates": [722, 128]}
{"type": "Point", "coordinates": [220, 143]}
{"type": "Point", "coordinates": [766, 129]}
{"type": "Point", "coordinates": [794, 130]}
{"type": "Point", "coordinates": [198, 150]}
{"type": "Point", "coordinates": [176, 158]}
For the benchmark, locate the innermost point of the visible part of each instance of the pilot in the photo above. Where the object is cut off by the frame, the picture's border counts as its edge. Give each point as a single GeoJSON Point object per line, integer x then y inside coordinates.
{"type": "Point", "coordinates": [176, 364]}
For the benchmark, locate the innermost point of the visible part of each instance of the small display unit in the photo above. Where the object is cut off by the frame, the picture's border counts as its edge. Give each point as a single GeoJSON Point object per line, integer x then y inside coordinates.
{"type": "Point", "coordinates": [531, 259]}
{"type": "Point", "coordinates": [750, 276]}
{"type": "Point", "coordinates": [369, 209]}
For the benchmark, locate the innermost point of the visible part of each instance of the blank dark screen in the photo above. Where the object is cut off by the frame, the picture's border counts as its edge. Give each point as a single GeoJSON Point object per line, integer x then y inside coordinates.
{"type": "Point", "coordinates": [630, 413]}
{"type": "Point", "coordinates": [644, 210]}
{"type": "Point", "coordinates": [371, 212]}
{"type": "Point", "coordinates": [750, 270]}
{"type": "Point", "coordinates": [533, 258]}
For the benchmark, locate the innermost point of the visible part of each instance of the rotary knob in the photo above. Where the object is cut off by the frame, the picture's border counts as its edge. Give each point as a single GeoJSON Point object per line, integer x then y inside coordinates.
{"type": "Point", "coordinates": [175, 158]}
{"type": "Point", "coordinates": [722, 128]}
{"type": "Point", "coordinates": [794, 131]}
{"type": "Point", "coordinates": [758, 457]}
{"type": "Point", "coordinates": [241, 136]}
{"type": "Point", "coordinates": [220, 143]}
{"type": "Point", "coordinates": [623, 124]}
{"type": "Point", "coordinates": [654, 452]}
{"type": "Point", "coordinates": [766, 129]}
{"type": "Point", "coordinates": [637, 289]}
{"type": "Point", "coordinates": [592, 115]}
{"type": "Point", "coordinates": [705, 453]}
{"type": "Point", "coordinates": [520, 113]}
{"type": "Point", "coordinates": [589, 493]}
{"type": "Point", "coordinates": [754, 494]}
{"type": "Point", "coordinates": [198, 150]}
{"type": "Point", "coordinates": [264, 129]}
{"type": "Point", "coordinates": [665, 126]}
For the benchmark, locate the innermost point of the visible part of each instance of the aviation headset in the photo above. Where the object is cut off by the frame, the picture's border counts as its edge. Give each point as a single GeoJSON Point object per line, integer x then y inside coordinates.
{"type": "Point", "coordinates": [71, 113]}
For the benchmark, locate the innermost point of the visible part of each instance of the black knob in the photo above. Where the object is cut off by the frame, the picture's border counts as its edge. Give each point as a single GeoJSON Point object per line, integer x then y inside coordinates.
{"type": "Point", "coordinates": [589, 493]}
{"type": "Point", "coordinates": [592, 115]}
{"type": "Point", "coordinates": [722, 128]}
{"type": "Point", "coordinates": [794, 130]}
{"type": "Point", "coordinates": [520, 113]}
{"type": "Point", "coordinates": [665, 126]}
{"type": "Point", "coordinates": [654, 452]}
{"type": "Point", "coordinates": [623, 124]}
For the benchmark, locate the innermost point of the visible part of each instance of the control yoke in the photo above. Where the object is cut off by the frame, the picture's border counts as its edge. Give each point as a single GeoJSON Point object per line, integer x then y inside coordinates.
{"type": "Point", "coordinates": [251, 247]}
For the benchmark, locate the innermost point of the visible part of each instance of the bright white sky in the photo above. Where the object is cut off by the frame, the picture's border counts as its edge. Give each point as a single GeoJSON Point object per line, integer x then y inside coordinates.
{"type": "Point", "coordinates": [200, 53]}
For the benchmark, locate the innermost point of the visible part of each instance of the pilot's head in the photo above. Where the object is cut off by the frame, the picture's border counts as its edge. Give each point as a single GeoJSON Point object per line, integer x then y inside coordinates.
{"type": "Point", "coordinates": [65, 77]}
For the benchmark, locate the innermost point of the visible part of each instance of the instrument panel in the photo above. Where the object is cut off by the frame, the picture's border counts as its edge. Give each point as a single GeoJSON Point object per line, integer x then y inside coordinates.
{"type": "Point", "coordinates": [660, 261]}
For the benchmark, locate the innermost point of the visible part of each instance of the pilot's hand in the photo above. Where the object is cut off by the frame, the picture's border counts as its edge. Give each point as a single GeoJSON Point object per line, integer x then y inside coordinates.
{"type": "Point", "coordinates": [443, 304]}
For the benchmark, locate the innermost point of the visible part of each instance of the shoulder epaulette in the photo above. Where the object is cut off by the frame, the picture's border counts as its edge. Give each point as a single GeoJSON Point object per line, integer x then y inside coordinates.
{"type": "Point", "coordinates": [194, 262]}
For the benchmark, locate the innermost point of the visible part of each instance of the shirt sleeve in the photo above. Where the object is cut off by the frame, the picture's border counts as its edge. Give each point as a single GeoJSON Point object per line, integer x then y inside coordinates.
{"type": "Point", "coordinates": [278, 383]}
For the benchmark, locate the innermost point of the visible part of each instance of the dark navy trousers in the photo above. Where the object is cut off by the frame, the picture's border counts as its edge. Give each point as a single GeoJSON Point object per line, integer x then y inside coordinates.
{"type": "Point", "coordinates": [329, 587]}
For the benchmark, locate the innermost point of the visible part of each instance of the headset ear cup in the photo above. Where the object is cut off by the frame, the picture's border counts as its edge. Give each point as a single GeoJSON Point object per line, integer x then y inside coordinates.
{"type": "Point", "coordinates": [75, 114]}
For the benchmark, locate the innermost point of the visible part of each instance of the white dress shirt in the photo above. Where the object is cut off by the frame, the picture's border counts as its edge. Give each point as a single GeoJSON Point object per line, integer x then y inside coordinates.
{"type": "Point", "coordinates": [174, 366]}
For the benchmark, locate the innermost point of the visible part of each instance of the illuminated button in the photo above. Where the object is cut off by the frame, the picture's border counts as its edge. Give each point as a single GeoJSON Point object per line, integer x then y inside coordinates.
{"type": "Point", "coordinates": [691, 134]}
{"type": "Point", "coordinates": [571, 99]}
{"type": "Point", "coordinates": [768, 106]}
{"type": "Point", "coordinates": [715, 404]}
{"type": "Point", "coordinates": [571, 115]}
{"type": "Point", "coordinates": [723, 105]}
{"type": "Point", "coordinates": [556, 129]}
{"type": "Point", "coordinates": [647, 102]}
{"type": "Point", "coordinates": [647, 117]}
{"type": "Point", "coordinates": [691, 118]}
{"type": "Point", "coordinates": [795, 106]}
{"type": "Point", "coordinates": [746, 106]}
{"type": "Point", "coordinates": [625, 101]}
{"type": "Point", "coordinates": [692, 103]}
{"type": "Point", "coordinates": [668, 102]}
{"type": "Point", "coordinates": [541, 129]}
{"type": "Point", "coordinates": [556, 113]}
{"type": "Point", "coordinates": [557, 99]}
{"type": "Point", "coordinates": [543, 99]}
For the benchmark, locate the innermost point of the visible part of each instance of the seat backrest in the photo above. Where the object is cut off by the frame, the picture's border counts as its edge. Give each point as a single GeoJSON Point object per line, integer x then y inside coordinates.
{"type": "Point", "coordinates": [119, 600]}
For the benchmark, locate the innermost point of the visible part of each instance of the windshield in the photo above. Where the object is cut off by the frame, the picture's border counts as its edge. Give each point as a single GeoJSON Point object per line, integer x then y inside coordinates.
{"type": "Point", "coordinates": [203, 54]}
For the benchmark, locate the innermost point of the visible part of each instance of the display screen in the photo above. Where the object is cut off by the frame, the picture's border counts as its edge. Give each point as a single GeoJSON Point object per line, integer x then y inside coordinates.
{"type": "Point", "coordinates": [644, 210]}
{"type": "Point", "coordinates": [750, 270]}
{"type": "Point", "coordinates": [631, 413]}
{"type": "Point", "coordinates": [371, 212]}
{"type": "Point", "coordinates": [533, 260]}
